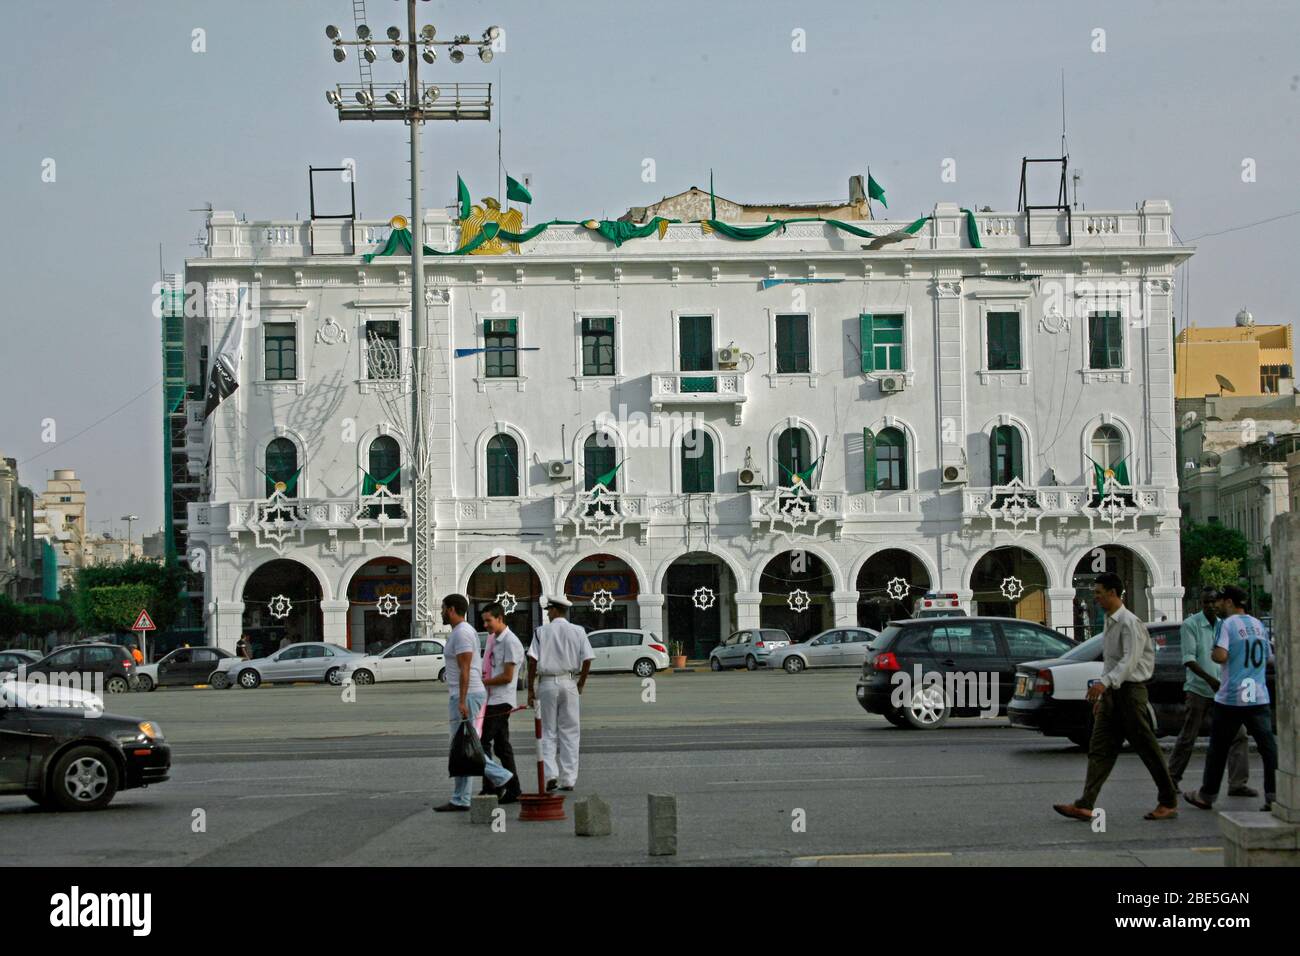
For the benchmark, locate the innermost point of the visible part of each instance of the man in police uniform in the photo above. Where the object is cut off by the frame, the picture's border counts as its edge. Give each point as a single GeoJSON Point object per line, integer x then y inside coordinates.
{"type": "Point", "coordinates": [559, 660]}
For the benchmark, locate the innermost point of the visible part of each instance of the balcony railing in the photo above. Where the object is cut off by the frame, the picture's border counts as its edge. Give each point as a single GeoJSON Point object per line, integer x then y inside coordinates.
{"type": "Point", "coordinates": [1017, 508]}
{"type": "Point", "coordinates": [277, 522]}
{"type": "Point", "coordinates": [704, 388]}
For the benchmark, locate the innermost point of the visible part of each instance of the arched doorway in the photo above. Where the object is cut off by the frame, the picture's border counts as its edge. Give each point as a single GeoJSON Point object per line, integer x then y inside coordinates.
{"type": "Point", "coordinates": [603, 590]}
{"type": "Point", "coordinates": [379, 610]}
{"type": "Point", "coordinates": [1010, 582]}
{"type": "Point", "coordinates": [1132, 570]}
{"type": "Point", "coordinates": [699, 602]}
{"type": "Point", "coordinates": [888, 585]}
{"type": "Point", "coordinates": [511, 580]}
{"type": "Point", "coordinates": [282, 603]}
{"type": "Point", "coordinates": [796, 588]}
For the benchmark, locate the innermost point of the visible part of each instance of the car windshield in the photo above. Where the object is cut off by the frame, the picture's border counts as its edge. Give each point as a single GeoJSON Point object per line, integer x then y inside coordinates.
{"type": "Point", "coordinates": [1089, 650]}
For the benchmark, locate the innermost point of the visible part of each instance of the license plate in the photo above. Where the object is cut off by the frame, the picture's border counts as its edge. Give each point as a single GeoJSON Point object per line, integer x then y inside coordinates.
{"type": "Point", "coordinates": [1022, 683]}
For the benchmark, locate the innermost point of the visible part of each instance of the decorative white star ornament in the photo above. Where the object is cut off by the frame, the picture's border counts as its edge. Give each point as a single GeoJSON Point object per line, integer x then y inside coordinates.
{"type": "Point", "coordinates": [596, 514]}
{"type": "Point", "coordinates": [1016, 506]}
{"type": "Point", "coordinates": [602, 601]}
{"type": "Point", "coordinates": [898, 588]}
{"type": "Point", "coordinates": [507, 602]}
{"type": "Point", "coordinates": [798, 600]}
{"type": "Point", "coordinates": [280, 607]}
{"type": "Point", "coordinates": [791, 511]}
{"type": "Point", "coordinates": [703, 598]}
{"type": "Point", "coordinates": [387, 605]}
{"type": "Point", "coordinates": [1012, 588]}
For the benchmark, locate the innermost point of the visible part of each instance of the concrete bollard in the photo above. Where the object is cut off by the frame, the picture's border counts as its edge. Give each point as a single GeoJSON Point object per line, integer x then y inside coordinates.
{"type": "Point", "coordinates": [481, 807]}
{"type": "Point", "coordinates": [662, 809]}
{"type": "Point", "coordinates": [591, 817]}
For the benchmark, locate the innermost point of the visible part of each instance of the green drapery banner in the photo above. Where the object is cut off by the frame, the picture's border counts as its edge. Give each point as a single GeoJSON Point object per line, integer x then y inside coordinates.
{"type": "Point", "coordinates": [619, 232]}
{"type": "Point", "coordinates": [370, 484]}
{"type": "Point", "coordinates": [972, 232]}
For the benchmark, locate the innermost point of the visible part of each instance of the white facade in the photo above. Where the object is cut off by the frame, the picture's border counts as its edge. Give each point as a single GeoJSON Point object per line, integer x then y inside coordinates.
{"type": "Point", "coordinates": [311, 278]}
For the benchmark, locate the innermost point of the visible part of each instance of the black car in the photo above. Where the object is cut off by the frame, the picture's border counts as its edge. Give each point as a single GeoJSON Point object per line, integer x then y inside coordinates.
{"type": "Point", "coordinates": [14, 659]}
{"type": "Point", "coordinates": [93, 664]}
{"type": "Point", "coordinates": [1050, 695]}
{"type": "Point", "coordinates": [66, 754]}
{"type": "Point", "coordinates": [920, 673]}
{"type": "Point", "coordinates": [184, 666]}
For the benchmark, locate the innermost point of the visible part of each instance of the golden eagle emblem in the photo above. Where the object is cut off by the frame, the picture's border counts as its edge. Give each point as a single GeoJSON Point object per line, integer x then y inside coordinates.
{"type": "Point", "coordinates": [511, 220]}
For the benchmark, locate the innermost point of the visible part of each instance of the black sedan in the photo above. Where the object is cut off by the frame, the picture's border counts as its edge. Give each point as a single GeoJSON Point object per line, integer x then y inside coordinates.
{"type": "Point", "coordinates": [61, 750]}
{"type": "Point", "coordinates": [13, 659]}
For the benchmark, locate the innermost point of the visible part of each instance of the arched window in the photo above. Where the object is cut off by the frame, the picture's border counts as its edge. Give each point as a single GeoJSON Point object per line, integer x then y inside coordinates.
{"type": "Point", "coordinates": [1107, 446]}
{"type": "Point", "coordinates": [1006, 455]}
{"type": "Point", "coordinates": [502, 467]}
{"type": "Point", "coordinates": [697, 462]}
{"type": "Point", "coordinates": [599, 461]}
{"type": "Point", "coordinates": [282, 468]}
{"type": "Point", "coordinates": [792, 455]}
{"type": "Point", "coordinates": [385, 466]}
{"type": "Point", "coordinates": [886, 455]}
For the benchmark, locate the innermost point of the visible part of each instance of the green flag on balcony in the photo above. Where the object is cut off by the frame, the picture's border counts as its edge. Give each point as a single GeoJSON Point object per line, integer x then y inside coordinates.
{"type": "Point", "coordinates": [1119, 472]}
{"type": "Point", "coordinates": [370, 484]}
{"type": "Point", "coordinates": [608, 477]}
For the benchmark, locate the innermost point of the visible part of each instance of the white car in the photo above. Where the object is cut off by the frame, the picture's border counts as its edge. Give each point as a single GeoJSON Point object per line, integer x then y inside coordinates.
{"type": "Point", "coordinates": [627, 649]}
{"type": "Point", "coordinates": [412, 659]}
{"type": "Point", "coordinates": [837, 647]}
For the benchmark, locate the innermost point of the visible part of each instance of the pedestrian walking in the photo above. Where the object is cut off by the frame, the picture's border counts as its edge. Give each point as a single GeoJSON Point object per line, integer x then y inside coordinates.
{"type": "Point", "coordinates": [242, 648]}
{"type": "Point", "coordinates": [1119, 708]}
{"type": "Point", "coordinates": [1242, 651]}
{"type": "Point", "coordinates": [466, 696]}
{"type": "Point", "coordinates": [1196, 637]}
{"type": "Point", "coordinates": [501, 659]}
{"type": "Point", "coordinates": [559, 660]}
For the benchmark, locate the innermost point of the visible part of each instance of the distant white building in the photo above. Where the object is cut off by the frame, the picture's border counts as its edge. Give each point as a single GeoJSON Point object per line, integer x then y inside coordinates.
{"type": "Point", "coordinates": [944, 401]}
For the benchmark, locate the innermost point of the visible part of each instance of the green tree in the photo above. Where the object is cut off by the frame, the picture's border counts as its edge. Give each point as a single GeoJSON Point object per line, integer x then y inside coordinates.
{"type": "Point", "coordinates": [108, 597]}
{"type": "Point", "coordinates": [1200, 541]}
{"type": "Point", "coordinates": [1218, 572]}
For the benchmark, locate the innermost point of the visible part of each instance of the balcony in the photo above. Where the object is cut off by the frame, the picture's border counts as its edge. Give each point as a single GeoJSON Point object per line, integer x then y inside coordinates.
{"type": "Point", "coordinates": [279, 523]}
{"type": "Point", "coordinates": [696, 389]}
{"type": "Point", "coordinates": [797, 512]}
{"type": "Point", "coordinates": [1017, 509]}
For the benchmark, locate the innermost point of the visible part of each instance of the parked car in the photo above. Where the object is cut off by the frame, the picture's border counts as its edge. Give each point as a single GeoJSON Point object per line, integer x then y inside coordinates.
{"type": "Point", "coordinates": [65, 753]}
{"type": "Point", "coordinates": [837, 647]}
{"type": "Point", "coordinates": [184, 666]}
{"type": "Point", "coordinates": [748, 648]}
{"type": "Point", "coordinates": [938, 604]}
{"type": "Point", "coordinates": [628, 649]}
{"type": "Point", "coordinates": [960, 651]}
{"type": "Point", "coordinates": [1050, 695]}
{"type": "Point", "coordinates": [10, 661]}
{"type": "Point", "coordinates": [414, 659]}
{"type": "Point", "coordinates": [92, 664]}
{"type": "Point", "coordinates": [304, 661]}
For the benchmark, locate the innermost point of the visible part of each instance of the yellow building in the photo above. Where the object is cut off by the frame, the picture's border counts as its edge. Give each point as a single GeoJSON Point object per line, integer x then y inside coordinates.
{"type": "Point", "coordinates": [1254, 359]}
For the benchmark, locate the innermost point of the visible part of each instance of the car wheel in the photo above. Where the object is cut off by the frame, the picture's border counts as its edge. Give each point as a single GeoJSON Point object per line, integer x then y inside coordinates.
{"type": "Point", "coordinates": [442, 675]}
{"type": "Point", "coordinates": [117, 685]}
{"type": "Point", "coordinates": [363, 676]}
{"type": "Point", "coordinates": [145, 683]}
{"type": "Point", "coordinates": [750, 663]}
{"type": "Point", "coordinates": [644, 668]}
{"type": "Point", "coordinates": [928, 710]}
{"type": "Point", "coordinates": [332, 676]}
{"type": "Point", "coordinates": [715, 664]}
{"type": "Point", "coordinates": [793, 664]}
{"type": "Point", "coordinates": [219, 681]}
{"type": "Point", "coordinates": [249, 679]}
{"type": "Point", "coordinates": [84, 778]}
{"type": "Point", "coordinates": [896, 718]}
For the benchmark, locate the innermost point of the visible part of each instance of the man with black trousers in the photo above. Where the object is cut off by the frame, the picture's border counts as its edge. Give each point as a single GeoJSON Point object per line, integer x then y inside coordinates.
{"type": "Point", "coordinates": [501, 659]}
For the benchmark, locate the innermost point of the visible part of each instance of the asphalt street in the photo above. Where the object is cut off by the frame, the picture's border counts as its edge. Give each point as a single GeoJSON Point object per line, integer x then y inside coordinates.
{"type": "Point", "coordinates": [768, 769]}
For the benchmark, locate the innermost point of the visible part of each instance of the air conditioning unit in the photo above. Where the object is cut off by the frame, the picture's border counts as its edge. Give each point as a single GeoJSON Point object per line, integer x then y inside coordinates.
{"type": "Point", "coordinates": [749, 478]}
{"type": "Point", "coordinates": [728, 357]}
{"type": "Point", "coordinates": [557, 469]}
{"type": "Point", "coordinates": [954, 474]}
{"type": "Point", "coordinates": [893, 383]}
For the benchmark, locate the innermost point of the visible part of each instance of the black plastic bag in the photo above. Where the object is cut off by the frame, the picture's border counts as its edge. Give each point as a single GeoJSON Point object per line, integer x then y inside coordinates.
{"type": "Point", "coordinates": [466, 758]}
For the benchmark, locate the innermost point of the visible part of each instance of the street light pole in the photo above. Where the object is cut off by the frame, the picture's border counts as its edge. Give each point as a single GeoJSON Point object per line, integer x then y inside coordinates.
{"type": "Point", "coordinates": [130, 521]}
{"type": "Point", "coordinates": [413, 106]}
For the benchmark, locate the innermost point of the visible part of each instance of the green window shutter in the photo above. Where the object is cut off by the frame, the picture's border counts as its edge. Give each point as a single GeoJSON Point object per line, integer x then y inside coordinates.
{"type": "Point", "coordinates": [1017, 462]}
{"type": "Point", "coordinates": [994, 477]}
{"type": "Point", "coordinates": [791, 343]}
{"type": "Point", "coordinates": [1004, 341]}
{"type": "Point", "coordinates": [867, 343]}
{"type": "Point", "coordinates": [697, 464]}
{"type": "Point", "coordinates": [869, 458]}
{"type": "Point", "coordinates": [502, 470]}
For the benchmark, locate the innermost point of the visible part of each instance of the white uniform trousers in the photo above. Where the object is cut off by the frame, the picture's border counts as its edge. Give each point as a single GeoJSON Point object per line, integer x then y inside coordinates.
{"type": "Point", "coordinates": [557, 702]}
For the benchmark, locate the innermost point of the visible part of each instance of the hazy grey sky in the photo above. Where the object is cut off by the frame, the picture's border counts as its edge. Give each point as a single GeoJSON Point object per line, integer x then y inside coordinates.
{"type": "Point", "coordinates": [142, 130]}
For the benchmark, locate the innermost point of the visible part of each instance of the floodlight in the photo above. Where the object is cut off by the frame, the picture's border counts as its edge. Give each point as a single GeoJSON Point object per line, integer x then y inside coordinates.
{"type": "Point", "coordinates": [394, 33]}
{"type": "Point", "coordinates": [492, 33]}
{"type": "Point", "coordinates": [393, 97]}
{"type": "Point", "coordinates": [369, 53]}
{"type": "Point", "coordinates": [431, 93]}
{"type": "Point", "coordinates": [427, 33]}
{"type": "Point", "coordinates": [457, 55]}
{"type": "Point", "coordinates": [429, 54]}
{"type": "Point", "coordinates": [485, 54]}
{"type": "Point", "coordinates": [340, 54]}
{"type": "Point", "coordinates": [365, 98]}
{"type": "Point", "coordinates": [332, 32]}
{"type": "Point", "coordinates": [399, 54]}
{"type": "Point", "coordinates": [363, 32]}
{"type": "Point", "coordinates": [332, 98]}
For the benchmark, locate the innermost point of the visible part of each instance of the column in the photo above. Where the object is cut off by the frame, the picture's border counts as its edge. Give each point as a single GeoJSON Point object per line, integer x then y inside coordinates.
{"type": "Point", "coordinates": [747, 609]}
{"type": "Point", "coordinates": [1060, 611]}
{"type": "Point", "coordinates": [1166, 602]}
{"type": "Point", "coordinates": [651, 607]}
{"type": "Point", "coordinates": [846, 608]}
{"type": "Point", "coordinates": [225, 624]}
{"type": "Point", "coordinates": [950, 377]}
{"type": "Point", "coordinates": [334, 616]}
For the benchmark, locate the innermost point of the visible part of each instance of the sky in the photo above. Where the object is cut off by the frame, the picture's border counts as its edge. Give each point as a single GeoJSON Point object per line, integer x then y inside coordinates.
{"type": "Point", "coordinates": [1167, 101]}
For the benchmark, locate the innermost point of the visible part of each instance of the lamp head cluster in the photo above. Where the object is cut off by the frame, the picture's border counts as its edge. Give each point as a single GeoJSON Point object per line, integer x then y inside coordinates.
{"type": "Point", "coordinates": [426, 40]}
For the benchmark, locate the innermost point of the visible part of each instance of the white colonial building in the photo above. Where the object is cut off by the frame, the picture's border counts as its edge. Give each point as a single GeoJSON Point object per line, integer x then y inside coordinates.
{"type": "Point", "coordinates": [943, 399]}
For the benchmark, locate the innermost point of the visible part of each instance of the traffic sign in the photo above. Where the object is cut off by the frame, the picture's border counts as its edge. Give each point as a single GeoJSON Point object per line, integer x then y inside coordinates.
{"type": "Point", "coordinates": [143, 622]}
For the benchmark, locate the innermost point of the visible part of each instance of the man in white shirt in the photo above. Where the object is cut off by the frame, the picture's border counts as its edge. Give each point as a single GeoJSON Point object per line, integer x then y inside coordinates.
{"type": "Point", "coordinates": [465, 695]}
{"type": "Point", "coordinates": [559, 660]}
{"type": "Point", "coordinates": [501, 659]}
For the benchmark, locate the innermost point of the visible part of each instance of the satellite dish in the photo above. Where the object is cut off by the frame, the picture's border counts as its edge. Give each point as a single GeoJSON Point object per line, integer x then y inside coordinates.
{"type": "Point", "coordinates": [1189, 419]}
{"type": "Point", "coordinates": [1224, 384]}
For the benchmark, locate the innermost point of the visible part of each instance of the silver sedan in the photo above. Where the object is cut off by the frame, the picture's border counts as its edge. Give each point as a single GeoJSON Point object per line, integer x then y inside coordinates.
{"type": "Point", "coordinates": [305, 661]}
{"type": "Point", "coordinates": [838, 647]}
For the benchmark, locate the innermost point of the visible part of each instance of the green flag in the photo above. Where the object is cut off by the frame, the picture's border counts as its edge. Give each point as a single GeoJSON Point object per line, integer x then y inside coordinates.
{"type": "Point", "coordinates": [713, 202]}
{"type": "Point", "coordinates": [462, 194]}
{"type": "Point", "coordinates": [607, 479]}
{"type": "Point", "coordinates": [1119, 472]}
{"type": "Point", "coordinates": [875, 190]}
{"type": "Point", "coordinates": [371, 484]}
{"type": "Point", "coordinates": [515, 190]}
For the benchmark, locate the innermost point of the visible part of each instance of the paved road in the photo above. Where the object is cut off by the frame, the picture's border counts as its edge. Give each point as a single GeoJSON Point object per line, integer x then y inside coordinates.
{"type": "Point", "coordinates": [295, 775]}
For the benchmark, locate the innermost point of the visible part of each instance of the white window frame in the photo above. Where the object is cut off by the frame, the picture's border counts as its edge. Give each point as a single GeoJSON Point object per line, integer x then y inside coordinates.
{"type": "Point", "coordinates": [501, 427]}
{"type": "Point", "coordinates": [1003, 303]}
{"type": "Point", "coordinates": [1120, 300]}
{"type": "Point", "coordinates": [288, 386]}
{"type": "Point", "coordinates": [908, 371]}
{"type": "Point", "coordinates": [810, 377]}
{"type": "Point", "coordinates": [581, 381]}
{"type": "Point", "coordinates": [364, 381]}
{"type": "Point", "coordinates": [520, 380]}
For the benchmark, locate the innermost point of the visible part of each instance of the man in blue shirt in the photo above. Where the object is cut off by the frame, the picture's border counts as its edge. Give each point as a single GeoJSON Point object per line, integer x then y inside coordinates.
{"type": "Point", "coordinates": [1242, 651]}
